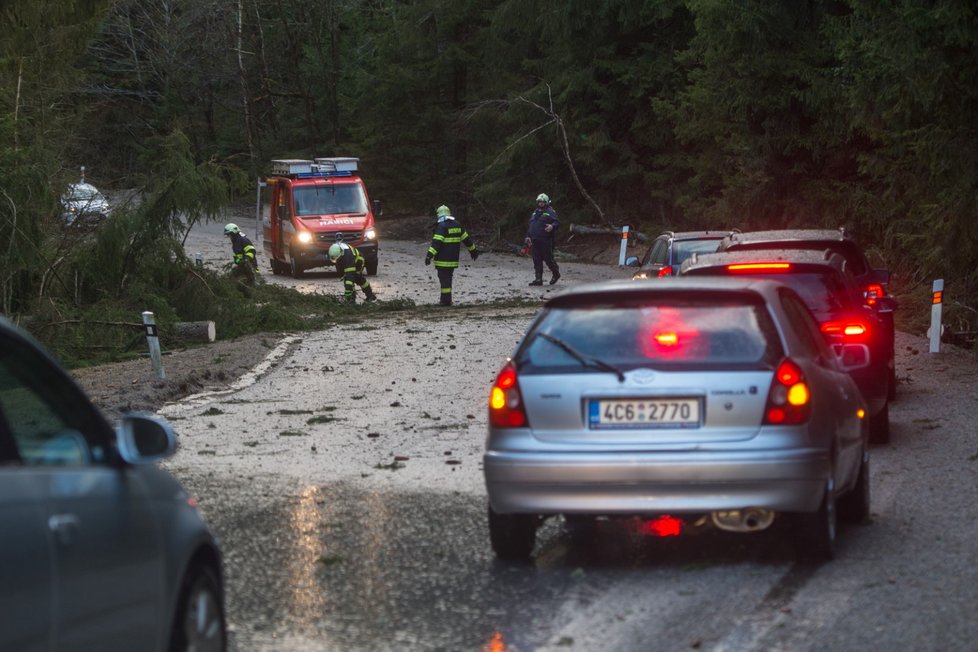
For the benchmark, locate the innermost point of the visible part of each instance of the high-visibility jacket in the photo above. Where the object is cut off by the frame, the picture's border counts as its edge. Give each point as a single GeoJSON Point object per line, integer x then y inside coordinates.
{"type": "Point", "coordinates": [243, 250]}
{"type": "Point", "coordinates": [350, 261]}
{"type": "Point", "coordinates": [445, 243]}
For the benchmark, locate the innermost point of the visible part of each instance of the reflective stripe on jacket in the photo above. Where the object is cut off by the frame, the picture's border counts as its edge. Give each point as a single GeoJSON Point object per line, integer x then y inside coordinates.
{"type": "Point", "coordinates": [445, 243]}
{"type": "Point", "coordinates": [243, 250]}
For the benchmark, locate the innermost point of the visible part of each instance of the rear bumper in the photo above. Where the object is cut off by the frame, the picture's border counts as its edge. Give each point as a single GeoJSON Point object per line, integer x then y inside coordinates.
{"type": "Point", "coordinates": [656, 483]}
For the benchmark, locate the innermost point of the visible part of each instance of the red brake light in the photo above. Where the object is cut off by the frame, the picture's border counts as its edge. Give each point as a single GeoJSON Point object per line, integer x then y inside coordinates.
{"type": "Point", "coordinates": [873, 292]}
{"type": "Point", "coordinates": [666, 339]}
{"type": "Point", "coordinates": [848, 331]}
{"type": "Point", "coordinates": [663, 526]}
{"type": "Point", "coordinates": [747, 268]}
{"type": "Point", "coordinates": [665, 271]}
{"type": "Point", "coordinates": [789, 399]}
{"type": "Point", "coordinates": [505, 401]}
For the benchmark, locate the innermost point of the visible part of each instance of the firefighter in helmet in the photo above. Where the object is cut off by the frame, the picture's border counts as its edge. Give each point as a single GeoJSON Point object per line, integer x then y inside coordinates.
{"type": "Point", "coordinates": [444, 249]}
{"type": "Point", "coordinates": [349, 262]}
{"type": "Point", "coordinates": [540, 235]}
{"type": "Point", "coordinates": [245, 256]}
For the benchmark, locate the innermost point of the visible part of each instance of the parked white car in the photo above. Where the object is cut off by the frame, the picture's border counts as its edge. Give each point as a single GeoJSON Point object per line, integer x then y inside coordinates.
{"type": "Point", "coordinates": [84, 204]}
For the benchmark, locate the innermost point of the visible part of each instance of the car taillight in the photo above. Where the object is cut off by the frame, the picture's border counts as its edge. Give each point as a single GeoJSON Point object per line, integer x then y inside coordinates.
{"type": "Point", "coordinates": [789, 401]}
{"type": "Point", "coordinates": [751, 268]}
{"type": "Point", "coordinates": [505, 401]}
{"type": "Point", "coordinates": [665, 271]}
{"type": "Point", "coordinates": [873, 292]}
{"type": "Point", "coordinates": [846, 330]}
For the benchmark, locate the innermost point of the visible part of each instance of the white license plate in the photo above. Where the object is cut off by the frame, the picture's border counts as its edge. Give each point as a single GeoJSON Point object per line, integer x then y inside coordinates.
{"type": "Point", "coordinates": [644, 413]}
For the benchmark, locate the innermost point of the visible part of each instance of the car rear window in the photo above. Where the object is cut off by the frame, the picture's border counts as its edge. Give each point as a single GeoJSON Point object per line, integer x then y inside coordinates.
{"type": "Point", "coordinates": [653, 335]}
{"type": "Point", "coordinates": [822, 292]}
{"type": "Point", "coordinates": [683, 249]}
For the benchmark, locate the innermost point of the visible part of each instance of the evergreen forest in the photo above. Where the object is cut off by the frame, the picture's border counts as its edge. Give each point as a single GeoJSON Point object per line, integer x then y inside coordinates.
{"type": "Point", "coordinates": [661, 114]}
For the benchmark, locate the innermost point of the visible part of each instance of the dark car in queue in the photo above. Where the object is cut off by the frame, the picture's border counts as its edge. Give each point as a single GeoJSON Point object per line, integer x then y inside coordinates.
{"type": "Point", "coordinates": [873, 283]}
{"type": "Point", "coordinates": [668, 251]}
{"type": "Point", "coordinates": [689, 403]}
{"type": "Point", "coordinates": [837, 304]}
{"type": "Point", "coordinates": [100, 549]}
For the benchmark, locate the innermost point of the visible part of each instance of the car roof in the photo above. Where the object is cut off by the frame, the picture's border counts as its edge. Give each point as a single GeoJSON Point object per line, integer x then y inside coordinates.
{"type": "Point", "coordinates": [685, 287]}
{"type": "Point", "coordinates": [808, 257]}
{"type": "Point", "coordinates": [697, 235]}
{"type": "Point", "coordinates": [774, 235]}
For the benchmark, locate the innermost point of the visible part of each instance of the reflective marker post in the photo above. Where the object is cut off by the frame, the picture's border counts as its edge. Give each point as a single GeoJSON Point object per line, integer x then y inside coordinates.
{"type": "Point", "coordinates": [937, 299]}
{"type": "Point", "coordinates": [624, 245]}
{"type": "Point", "coordinates": [149, 324]}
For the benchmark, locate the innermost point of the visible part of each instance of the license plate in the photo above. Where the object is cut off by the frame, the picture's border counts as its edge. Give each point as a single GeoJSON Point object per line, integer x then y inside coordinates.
{"type": "Point", "coordinates": [644, 413]}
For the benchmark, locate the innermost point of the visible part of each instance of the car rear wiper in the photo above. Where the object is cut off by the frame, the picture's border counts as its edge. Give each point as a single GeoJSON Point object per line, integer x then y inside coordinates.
{"type": "Point", "coordinates": [584, 360]}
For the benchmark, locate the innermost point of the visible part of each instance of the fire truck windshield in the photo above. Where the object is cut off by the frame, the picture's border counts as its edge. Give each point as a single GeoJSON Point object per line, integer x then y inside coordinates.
{"type": "Point", "coordinates": [329, 200]}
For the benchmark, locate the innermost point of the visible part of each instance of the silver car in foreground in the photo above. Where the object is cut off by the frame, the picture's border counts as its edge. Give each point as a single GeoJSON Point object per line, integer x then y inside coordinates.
{"type": "Point", "coordinates": [691, 403]}
{"type": "Point", "coordinates": [100, 549]}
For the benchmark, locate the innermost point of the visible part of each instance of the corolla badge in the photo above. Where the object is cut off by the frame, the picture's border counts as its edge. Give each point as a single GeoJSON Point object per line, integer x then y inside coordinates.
{"type": "Point", "coordinates": [641, 377]}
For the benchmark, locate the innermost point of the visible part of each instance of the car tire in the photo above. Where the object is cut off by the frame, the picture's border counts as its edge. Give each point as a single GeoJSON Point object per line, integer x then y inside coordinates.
{"type": "Point", "coordinates": [854, 506]}
{"type": "Point", "coordinates": [512, 535]}
{"type": "Point", "coordinates": [891, 388]}
{"type": "Point", "coordinates": [371, 267]}
{"type": "Point", "coordinates": [198, 622]}
{"type": "Point", "coordinates": [879, 426]}
{"type": "Point", "coordinates": [814, 533]}
{"type": "Point", "coordinates": [294, 269]}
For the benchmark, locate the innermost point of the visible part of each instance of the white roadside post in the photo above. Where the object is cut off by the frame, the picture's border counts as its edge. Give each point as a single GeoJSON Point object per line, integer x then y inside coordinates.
{"type": "Point", "coordinates": [937, 299]}
{"type": "Point", "coordinates": [624, 246]}
{"type": "Point", "coordinates": [149, 324]}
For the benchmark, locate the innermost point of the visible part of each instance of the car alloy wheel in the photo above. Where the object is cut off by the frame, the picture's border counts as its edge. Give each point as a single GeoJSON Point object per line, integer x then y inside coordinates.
{"type": "Point", "coordinates": [199, 624]}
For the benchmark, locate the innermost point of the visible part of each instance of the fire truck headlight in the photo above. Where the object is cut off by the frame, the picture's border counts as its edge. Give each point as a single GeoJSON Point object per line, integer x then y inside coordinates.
{"type": "Point", "coordinates": [304, 237]}
{"type": "Point", "coordinates": [369, 234]}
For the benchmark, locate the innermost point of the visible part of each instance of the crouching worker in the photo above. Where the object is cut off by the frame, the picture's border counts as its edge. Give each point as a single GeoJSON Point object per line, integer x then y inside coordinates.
{"type": "Point", "coordinates": [244, 254]}
{"type": "Point", "coordinates": [349, 262]}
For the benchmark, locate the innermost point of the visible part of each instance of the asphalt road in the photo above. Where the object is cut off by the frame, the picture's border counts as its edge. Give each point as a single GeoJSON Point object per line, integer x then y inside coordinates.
{"type": "Point", "coordinates": [345, 483]}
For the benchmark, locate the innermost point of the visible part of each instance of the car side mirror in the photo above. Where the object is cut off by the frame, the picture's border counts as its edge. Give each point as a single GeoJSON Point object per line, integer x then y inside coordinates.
{"type": "Point", "coordinates": [852, 356]}
{"type": "Point", "coordinates": [378, 211]}
{"type": "Point", "coordinates": [631, 261]}
{"type": "Point", "coordinates": [144, 438]}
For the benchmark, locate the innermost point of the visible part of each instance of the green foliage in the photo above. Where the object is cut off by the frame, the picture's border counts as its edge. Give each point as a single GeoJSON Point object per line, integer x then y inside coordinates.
{"type": "Point", "coordinates": [677, 114]}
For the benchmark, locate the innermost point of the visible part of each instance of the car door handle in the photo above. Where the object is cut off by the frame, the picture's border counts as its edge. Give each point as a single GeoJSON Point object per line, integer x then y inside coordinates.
{"type": "Point", "coordinates": [63, 526]}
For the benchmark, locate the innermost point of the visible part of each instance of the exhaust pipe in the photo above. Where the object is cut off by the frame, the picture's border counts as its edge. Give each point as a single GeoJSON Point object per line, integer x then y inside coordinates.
{"type": "Point", "coordinates": [743, 520]}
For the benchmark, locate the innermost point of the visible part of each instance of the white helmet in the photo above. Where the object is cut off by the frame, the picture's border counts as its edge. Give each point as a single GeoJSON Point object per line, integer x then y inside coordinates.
{"type": "Point", "coordinates": [335, 251]}
{"type": "Point", "coordinates": [543, 197]}
{"type": "Point", "coordinates": [231, 228]}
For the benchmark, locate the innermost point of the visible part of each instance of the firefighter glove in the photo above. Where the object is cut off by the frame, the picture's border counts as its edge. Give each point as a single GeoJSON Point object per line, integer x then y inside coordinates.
{"type": "Point", "coordinates": [475, 254]}
{"type": "Point", "coordinates": [427, 260]}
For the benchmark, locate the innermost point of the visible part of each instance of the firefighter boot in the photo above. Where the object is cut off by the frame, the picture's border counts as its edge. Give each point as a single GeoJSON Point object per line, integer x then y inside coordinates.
{"type": "Point", "coordinates": [555, 275]}
{"type": "Point", "coordinates": [370, 295]}
{"type": "Point", "coordinates": [538, 280]}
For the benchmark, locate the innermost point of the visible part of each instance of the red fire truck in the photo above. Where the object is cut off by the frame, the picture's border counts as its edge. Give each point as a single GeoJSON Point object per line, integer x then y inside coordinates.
{"type": "Point", "coordinates": [309, 205]}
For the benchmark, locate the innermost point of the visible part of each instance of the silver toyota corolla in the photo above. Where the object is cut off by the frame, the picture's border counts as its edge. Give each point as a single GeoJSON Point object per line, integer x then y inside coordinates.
{"type": "Point", "coordinates": [690, 403]}
{"type": "Point", "coordinates": [100, 549]}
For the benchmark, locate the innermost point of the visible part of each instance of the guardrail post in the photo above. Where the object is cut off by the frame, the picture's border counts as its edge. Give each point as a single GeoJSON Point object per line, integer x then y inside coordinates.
{"type": "Point", "coordinates": [149, 324]}
{"type": "Point", "coordinates": [624, 246]}
{"type": "Point", "coordinates": [937, 301]}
